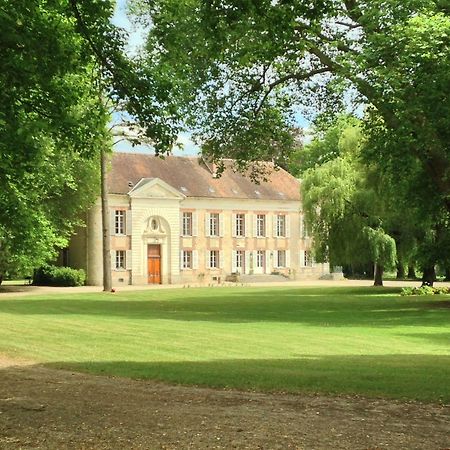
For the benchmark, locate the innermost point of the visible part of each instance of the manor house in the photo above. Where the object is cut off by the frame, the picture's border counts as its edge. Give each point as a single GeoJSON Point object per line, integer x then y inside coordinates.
{"type": "Point", "coordinates": [173, 220]}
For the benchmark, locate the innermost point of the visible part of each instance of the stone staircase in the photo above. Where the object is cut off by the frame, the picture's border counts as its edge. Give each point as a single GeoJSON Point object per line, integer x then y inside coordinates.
{"type": "Point", "coordinates": [267, 278]}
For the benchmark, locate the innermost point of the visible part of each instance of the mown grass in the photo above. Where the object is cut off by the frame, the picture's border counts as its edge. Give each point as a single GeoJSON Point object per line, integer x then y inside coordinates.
{"type": "Point", "coordinates": [365, 341]}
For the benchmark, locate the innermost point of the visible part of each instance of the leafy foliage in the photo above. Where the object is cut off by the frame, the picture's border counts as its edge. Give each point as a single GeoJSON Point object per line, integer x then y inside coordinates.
{"type": "Point", "coordinates": [52, 126]}
{"type": "Point", "coordinates": [249, 65]}
{"type": "Point", "coordinates": [342, 200]}
{"type": "Point", "coordinates": [59, 276]}
{"type": "Point", "coordinates": [424, 290]}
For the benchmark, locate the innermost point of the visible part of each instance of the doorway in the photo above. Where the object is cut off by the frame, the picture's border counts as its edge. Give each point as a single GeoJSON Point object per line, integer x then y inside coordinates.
{"type": "Point", "coordinates": [154, 263]}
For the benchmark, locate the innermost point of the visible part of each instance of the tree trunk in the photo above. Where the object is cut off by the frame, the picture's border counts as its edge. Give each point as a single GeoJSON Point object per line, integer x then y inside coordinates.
{"type": "Point", "coordinates": [1, 278]}
{"type": "Point", "coordinates": [429, 276]}
{"type": "Point", "coordinates": [400, 271]}
{"type": "Point", "coordinates": [370, 271]}
{"type": "Point", "coordinates": [447, 274]}
{"type": "Point", "coordinates": [347, 270]}
{"type": "Point", "coordinates": [411, 272]}
{"type": "Point", "coordinates": [378, 279]}
{"type": "Point", "coordinates": [107, 281]}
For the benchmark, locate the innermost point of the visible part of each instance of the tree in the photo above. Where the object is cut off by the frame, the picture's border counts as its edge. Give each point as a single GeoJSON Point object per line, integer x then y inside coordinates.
{"type": "Point", "coordinates": [356, 213]}
{"type": "Point", "coordinates": [343, 202]}
{"type": "Point", "coordinates": [249, 65]}
{"type": "Point", "coordinates": [52, 121]}
{"type": "Point", "coordinates": [63, 67]}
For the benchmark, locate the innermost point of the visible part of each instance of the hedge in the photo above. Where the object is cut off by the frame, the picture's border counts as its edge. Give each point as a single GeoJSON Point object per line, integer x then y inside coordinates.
{"type": "Point", "coordinates": [59, 276]}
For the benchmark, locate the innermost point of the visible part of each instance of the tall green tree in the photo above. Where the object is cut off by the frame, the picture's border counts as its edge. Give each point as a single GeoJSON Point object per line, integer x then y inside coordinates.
{"type": "Point", "coordinates": [52, 121]}
{"type": "Point", "coordinates": [358, 215]}
{"type": "Point", "coordinates": [62, 62]}
{"type": "Point", "coordinates": [249, 65]}
{"type": "Point", "coordinates": [343, 201]}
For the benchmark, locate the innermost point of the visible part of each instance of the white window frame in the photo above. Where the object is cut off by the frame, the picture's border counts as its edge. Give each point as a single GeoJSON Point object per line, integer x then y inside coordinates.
{"type": "Point", "coordinates": [281, 225]}
{"type": "Point", "coordinates": [214, 224]}
{"type": "Point", "coordinates": [240, 261]}
{"type": "Point", "coordinates": [260, 225]}
{"type": "Point", "coordinates": [187, 223]}
{"type": "Point", "coordinates": [214, 259]}
{"type": "Point", "coordinates": [187, 259]}
{"type": "Point", "coordinates": [281, 259]}
{"type": "Point", "coordinates": [308, 258]}
{"type": "Point", "coordinates": [119, 222]}
{"type": "Point", "coordinates": [240, 225]}
{"type": "Point", "coordinates": [260, 259]}
{"type": "Point", "coordinates": [120, 260]}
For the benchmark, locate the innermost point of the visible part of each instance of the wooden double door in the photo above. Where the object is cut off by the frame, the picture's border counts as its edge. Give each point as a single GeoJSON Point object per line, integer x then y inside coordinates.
{"type": "Point", "coordinates": [154, 263]}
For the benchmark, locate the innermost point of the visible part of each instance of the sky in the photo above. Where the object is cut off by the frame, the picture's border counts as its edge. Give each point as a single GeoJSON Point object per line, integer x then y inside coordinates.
{"type": "Point", "coordinates": [136, 40]}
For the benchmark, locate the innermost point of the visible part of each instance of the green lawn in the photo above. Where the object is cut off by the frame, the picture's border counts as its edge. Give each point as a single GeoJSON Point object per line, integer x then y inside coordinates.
{"type": "Point", "coordinates": [367, 341]}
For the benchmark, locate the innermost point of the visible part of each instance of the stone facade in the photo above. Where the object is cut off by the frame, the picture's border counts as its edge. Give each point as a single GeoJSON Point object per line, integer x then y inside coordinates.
{"type": "Point", "coordinates": [195, 239]}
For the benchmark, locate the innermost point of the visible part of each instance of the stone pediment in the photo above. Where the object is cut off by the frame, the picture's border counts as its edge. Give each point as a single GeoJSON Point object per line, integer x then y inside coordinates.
{"type": "Point", "coordinates": [155, 188]}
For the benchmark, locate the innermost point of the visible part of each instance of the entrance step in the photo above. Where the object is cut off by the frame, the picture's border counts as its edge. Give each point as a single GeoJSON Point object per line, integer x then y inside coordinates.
{"type": "Point", "coordinates": [262, 278]}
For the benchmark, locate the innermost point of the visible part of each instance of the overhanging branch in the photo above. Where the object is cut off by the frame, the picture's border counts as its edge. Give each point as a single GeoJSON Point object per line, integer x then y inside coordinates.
{"type": "Point", "coordinates": [289, 77]}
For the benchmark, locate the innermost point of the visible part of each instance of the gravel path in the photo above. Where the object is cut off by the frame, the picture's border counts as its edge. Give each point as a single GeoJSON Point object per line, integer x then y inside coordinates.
{"type": "Point", "coordinates": [21, 290]}
{"type": "Point", "coordinates": [44, 408]}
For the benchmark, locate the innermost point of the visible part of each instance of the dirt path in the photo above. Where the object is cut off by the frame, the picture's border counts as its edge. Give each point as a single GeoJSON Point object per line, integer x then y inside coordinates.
{"type": "Point", "coordinates": [15, 290]}
{"type": "Point", "coordinates": [44, 408]}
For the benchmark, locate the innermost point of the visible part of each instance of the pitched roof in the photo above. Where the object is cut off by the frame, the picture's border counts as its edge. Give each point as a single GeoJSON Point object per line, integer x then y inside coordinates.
{"type": "Point", "coordinates": [192, 177]}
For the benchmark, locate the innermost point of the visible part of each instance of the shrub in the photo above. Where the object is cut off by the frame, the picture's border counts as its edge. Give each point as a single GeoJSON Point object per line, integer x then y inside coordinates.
{"type": "Point", "coordinates": [425, 290]}
{"type": "Point", "coordinates": [59, 276]}
{"type": "Point", "coordinates": [441, 290]}
{"type": "Point", "coordinates": [407, 291]}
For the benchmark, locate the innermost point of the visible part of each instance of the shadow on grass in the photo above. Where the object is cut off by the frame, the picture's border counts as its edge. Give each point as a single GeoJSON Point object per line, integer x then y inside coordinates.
{"type": "Point", "coordinates": [318, 307]}
{"type": "Point", "coordinates": [419, 377]}
{"type": "Point", "coordinates": [436, 338]}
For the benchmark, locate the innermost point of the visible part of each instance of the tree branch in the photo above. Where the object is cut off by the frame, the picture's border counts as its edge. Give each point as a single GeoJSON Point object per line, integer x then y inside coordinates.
{"type": "Point", "coordinates": [364, 87]}
{"type": "Point", "coordinates": [101, 58]}
{"type": "Point", "coordinates": [289, 77]}
{"type": "Point", "coordinates": [353, 10]}
{"type": "Point", "coordinates": [350, 26]}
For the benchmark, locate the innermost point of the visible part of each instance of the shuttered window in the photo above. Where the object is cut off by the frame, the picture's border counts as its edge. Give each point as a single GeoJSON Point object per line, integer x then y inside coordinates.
{"type": "Point", "coordinates": [260, 225]}
{"type": "Point", "coordinates": [240, 258]}
{"type": "Point", "coordinates": [214, 224]}
{"type": "Point", "coordinates": [214, 259]}
{"type": "Point", "coordinates": [281, 226]}
{"type": "Point", "coordinates": [187, 224]}
{"type": "Point", "coordinates": [119, 221]}
{"type": "Point", "coordinates": [120, 259]}
{"type": "Point", "coordinates": [240, 225]}
{"type": "Point", "coordinates": [187, 259]}
{"type": "Point", "coordinates": [281, 258]}
{"type": "Point", "coordinates": [260, 258]}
